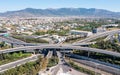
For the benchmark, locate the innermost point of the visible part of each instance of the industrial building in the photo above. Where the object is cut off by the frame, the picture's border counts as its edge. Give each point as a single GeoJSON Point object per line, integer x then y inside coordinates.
{"type": "Point", "coordinates": [82, 33]}
{"type": "Point", "coordinates": [99, 30]}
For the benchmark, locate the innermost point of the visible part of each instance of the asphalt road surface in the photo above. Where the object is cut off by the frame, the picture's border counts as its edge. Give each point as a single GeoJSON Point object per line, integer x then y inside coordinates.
{"type": "Point", "coordinates": [63, 69]}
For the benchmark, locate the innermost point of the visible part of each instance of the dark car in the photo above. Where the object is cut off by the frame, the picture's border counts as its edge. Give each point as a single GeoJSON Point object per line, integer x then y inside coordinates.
{"type": "Point", "coordinates": [62, 60]}
{"type": "Point", "coordinates": [47, 69]}
{"type": "Point", "coordinates": [70, 69]}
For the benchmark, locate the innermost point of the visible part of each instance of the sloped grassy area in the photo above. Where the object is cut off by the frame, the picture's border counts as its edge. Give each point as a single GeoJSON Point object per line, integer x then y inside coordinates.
{"type": "Point", "coordinates": [30, 68]}
{"type": "Point", "coordinates": [81, 69]}
{"type": "Point", "coordinates": [7, 58]}
{"type": "Point", "coordinates": [53, 61]}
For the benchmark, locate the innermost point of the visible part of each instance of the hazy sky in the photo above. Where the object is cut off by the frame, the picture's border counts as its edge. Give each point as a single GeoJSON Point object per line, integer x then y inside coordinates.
{"type": "Point", "coordinates": [10, 5]}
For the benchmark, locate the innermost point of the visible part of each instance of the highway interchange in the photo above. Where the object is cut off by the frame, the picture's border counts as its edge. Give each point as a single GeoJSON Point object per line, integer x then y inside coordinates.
{"type": "Point", "coordinates": [62, 47]}
{"type": "Point", "coordinates": [65, 47]}
{"type": "Point", "coordinates": [61, 68]}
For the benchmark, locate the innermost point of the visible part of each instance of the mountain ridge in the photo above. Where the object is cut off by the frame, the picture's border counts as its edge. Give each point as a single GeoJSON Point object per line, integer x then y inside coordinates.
{"type": "Point", "coordinates": [32, 12]}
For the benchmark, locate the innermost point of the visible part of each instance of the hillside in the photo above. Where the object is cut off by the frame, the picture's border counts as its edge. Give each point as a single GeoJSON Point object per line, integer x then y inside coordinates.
{"type": "Point", "coordinates": [92, 12]}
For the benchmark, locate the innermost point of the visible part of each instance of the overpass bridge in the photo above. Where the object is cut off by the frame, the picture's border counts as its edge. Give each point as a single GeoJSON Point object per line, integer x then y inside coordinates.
{"type": "Point", "coordinates": [64, 47]}
{"type": "Point", "coordinates": [95, 36]}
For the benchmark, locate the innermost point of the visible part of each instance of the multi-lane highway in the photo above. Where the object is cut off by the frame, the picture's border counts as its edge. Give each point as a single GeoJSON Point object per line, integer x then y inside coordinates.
{"type": "Point", "coordinates": [17, 63]}
{"type": "Point", "coordinates": [62, 69]}
{"type": "Point", "coordinates": [95, 36]}
{"type": "Point", "coordinates": [68, 47]}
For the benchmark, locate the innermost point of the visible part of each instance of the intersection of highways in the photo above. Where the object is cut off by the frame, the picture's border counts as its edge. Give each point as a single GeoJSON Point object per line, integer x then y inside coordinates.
{"type": "Point", "coordinates": [30, 47]}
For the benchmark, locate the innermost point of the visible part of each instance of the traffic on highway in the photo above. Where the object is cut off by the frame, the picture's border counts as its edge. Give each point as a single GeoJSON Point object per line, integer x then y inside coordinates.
{"type": "Point", "coordinates": [62, 67]}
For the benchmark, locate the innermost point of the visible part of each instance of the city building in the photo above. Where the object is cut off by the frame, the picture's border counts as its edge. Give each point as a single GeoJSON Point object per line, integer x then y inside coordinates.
{"type": "Point", "coordinates": [99, 30]}
{"type": "Point", "coordinates": [82, 33]}
{"type": "Point", "coordinates": [4, 33]}
{"type": "Point", "coordinates": [110, 25]}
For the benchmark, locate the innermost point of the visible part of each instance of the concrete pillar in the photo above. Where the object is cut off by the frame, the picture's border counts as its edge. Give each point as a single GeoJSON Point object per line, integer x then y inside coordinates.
{"type": "Point", "coordinates": [54, 52]}
{"type": "Point", "coordinates": [24, 45]}
{"type": "Point", "coordinates": [63, 53]}
{"type": "Point", "coordinates": [34, 52]}
{"type": "Point", "coordinates": [113, 57]}
{"type": "Point", "coordinates": [40, 51]}
{"type": "Point", "coordinates": [1, 56]}
{"type": "Point", "coordinates": [119, 37]}
{"type": "Point", "coordinates": [37, 51]}
{"type": "Point", "coordinates": [12, 45]}
{"type": "Point", "coordinates": [88, 53]}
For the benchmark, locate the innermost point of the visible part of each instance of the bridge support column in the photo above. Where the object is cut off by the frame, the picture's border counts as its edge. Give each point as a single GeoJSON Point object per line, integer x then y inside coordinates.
{"type": "Point", "coordinates": [40, 51]}
{"type": "Point", "coordinates": [37, 51]}
{"type": "Point", "coordinates": [63, 53]}
{"type": "Point", "coordinates": [1, 56]}
{"type": "Point", "coordinates": [54, 52]}
{"type": "Point", "coordinates": [33, 52]}
{"type": "Point", "coordinates": [113, 58]}
{"type": "Point", "coordinates": [44, 52]}
{"type": "Point", "coordinates": [24, 45]}
{"type": "Point", "coordinates": [88, 54]}
{"type": "Point", "coordinates": [12, 45]}
{"type": "Point", "coordinates": [119, 37]}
